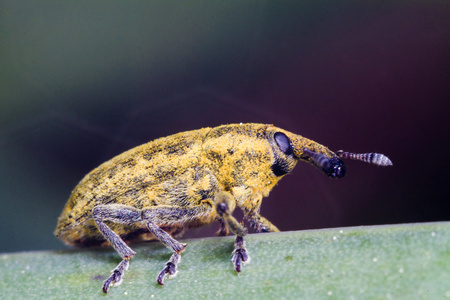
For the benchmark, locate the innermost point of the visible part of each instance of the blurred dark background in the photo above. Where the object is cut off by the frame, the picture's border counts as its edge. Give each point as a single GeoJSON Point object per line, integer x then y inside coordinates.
{"type": "Point", "coordinates": [83, 81]}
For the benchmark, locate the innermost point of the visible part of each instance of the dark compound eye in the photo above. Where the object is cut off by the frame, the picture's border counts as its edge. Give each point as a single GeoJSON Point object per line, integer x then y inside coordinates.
{"type": "Point", "coordinates": [283, 143]}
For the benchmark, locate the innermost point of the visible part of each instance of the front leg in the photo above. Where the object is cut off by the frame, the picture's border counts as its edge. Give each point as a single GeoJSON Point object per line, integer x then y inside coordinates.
{"type": "Point", "coordinates": [259, 223]}
{"type": "Point", "coordinates": [225, 203]}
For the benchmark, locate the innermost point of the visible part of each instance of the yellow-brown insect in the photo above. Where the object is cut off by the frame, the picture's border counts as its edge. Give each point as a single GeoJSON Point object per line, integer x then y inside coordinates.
{"type": "Point", "coordinates": [189, 179]}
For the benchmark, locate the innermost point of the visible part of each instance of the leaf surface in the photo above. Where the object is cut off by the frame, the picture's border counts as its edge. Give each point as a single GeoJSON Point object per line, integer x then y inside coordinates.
{"type": "Point", "coordinates": [409, 261]}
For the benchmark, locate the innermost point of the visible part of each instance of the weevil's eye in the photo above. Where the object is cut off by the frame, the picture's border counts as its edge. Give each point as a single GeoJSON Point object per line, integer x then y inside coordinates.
{"type": "Point", "coordinates": [283, 143]}
{"type": "Point", "coordinates": [283, 160]}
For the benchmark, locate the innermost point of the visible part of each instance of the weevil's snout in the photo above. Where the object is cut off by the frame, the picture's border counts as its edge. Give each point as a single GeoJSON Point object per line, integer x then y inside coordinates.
{"type": "Point", "coordinates": [308, 151]}
{"type": "Point", "coordinates": [333, 167]}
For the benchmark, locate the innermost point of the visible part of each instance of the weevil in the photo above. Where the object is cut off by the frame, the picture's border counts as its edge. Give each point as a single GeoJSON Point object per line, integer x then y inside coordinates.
{"type": "Point", "coordinates": [157, 190]}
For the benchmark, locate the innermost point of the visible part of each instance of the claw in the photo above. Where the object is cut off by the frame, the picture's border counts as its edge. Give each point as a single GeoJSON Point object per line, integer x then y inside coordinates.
{"type": "Point", "coordinates": [239, 255]}
{"type": "Point", "coordinates": [170, 269]}
{"type": "Point", "coordinates": [116, 275]}
{"type": "Point", "coordinates": [107, 284]}
{"type": "Point", "coordinates": [239, 259]}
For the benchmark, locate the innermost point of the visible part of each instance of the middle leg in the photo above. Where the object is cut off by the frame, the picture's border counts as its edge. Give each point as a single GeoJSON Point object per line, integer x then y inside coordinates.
{"type": "Point", "coordinates": [171, 216]}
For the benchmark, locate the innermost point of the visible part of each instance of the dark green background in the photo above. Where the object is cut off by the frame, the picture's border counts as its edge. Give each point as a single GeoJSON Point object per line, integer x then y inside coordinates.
{"type": "Point", "coordinates": [82, 81]}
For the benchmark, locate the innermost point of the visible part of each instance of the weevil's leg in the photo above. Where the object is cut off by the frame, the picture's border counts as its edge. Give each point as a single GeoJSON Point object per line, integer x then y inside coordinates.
{"type": "Point", "coordinates": [259, 223]}
{"type": "Point", "coordinates": [119, 214]}
{"type": "Point", "coordinates": [223, 231]}
{"type": "Point", "coordinates": [116, 276]}
{"type": "Point", "coordinates": [239, 256]}
{"type": "Point", "coordinates": [170, 269]}
{"type": "Point", "coordinates": [224, 206]}
{"type": "Point", "coordinates": [168, 215]}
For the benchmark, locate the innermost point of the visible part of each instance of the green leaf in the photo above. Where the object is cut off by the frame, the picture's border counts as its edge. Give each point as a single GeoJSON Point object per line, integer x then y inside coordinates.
{"type": "Point", "coordinates": [380, 262]}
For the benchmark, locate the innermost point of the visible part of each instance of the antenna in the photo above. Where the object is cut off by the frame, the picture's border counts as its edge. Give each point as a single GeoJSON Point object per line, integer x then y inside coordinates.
{"type": "Point", "coordinates": [371, 158]}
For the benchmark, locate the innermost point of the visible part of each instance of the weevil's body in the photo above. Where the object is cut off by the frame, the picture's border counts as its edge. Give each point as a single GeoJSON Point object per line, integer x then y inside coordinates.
{"type": "Point", "coordinates": [186, 180]}
{"type": "Point", "coordinates": [185, 170]}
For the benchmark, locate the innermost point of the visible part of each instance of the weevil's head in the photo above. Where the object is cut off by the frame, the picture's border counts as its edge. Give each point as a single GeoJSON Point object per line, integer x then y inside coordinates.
{"type": "Point", "coordinates": [288, 148]}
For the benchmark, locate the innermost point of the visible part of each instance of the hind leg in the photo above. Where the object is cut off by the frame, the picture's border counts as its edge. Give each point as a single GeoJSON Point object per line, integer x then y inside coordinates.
{"type": "Point", "coordinates": [119, 214]}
